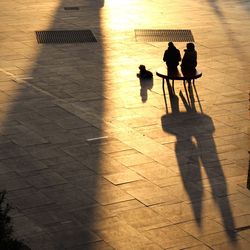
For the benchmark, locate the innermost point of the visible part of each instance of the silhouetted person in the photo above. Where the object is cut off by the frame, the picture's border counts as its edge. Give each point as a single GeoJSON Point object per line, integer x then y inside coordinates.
{"type": "Point", "coordinates": [172, 56]}
{"type": "Point", "coordinates": [144, 74]}
{"type": "Point", "coordinates": [146, 82]}
{"type": "Point", "coordinates": [189, 60]}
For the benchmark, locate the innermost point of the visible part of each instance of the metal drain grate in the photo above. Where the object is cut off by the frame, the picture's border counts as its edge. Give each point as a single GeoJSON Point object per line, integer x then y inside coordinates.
{"type": "Point", "coordinates": [145, 35]}
{"type": "Point", "coordinates": [65, 36]}
{"type": "Point", "coordinates": [71, 8]}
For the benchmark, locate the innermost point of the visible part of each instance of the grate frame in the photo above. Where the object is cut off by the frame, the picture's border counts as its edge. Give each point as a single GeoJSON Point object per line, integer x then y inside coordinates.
{"type": "Point", "coordinates": [65, 36]}
{"type": "Point", "coordinates": [163, 35]}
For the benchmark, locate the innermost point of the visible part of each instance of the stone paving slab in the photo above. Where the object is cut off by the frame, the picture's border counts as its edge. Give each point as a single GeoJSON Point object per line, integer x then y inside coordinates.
{"type": "Point", "coordinates": [88, 155]}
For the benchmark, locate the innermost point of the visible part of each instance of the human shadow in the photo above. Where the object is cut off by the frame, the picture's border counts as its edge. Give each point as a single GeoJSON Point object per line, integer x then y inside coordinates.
{"type": "Point", "coordinates": [146, 85]}
{"type": "Point", "coordinates": [195, 148]}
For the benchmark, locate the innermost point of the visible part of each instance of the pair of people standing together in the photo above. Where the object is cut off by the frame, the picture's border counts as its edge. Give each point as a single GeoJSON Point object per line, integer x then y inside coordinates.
{"type": "Point", "coordinates": [172, 57]}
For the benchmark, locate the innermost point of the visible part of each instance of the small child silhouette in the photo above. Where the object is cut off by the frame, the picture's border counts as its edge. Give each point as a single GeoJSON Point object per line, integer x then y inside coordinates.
{"type": "Point", "coordinates": [144, 74]}
{"type": "Point", "coordinates": [146, 82]}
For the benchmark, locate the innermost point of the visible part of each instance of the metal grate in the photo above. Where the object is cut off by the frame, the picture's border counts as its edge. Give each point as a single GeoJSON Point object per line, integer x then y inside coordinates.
{"type": "Point", "coordinates": [65, 36]}
{"type": "Point", "coordinates": [151, 35]}
{"type": "Point", "coordinates": [71, 8]}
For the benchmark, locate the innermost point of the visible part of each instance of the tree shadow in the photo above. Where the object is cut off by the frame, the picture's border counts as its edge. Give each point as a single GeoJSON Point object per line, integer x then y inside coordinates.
{"type": "Point", "coordinates": [195, 148]}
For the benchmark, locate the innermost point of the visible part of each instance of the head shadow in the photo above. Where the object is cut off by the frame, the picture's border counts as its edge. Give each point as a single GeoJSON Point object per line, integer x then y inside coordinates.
{"type": "Point", "coordinates": [195, 149]}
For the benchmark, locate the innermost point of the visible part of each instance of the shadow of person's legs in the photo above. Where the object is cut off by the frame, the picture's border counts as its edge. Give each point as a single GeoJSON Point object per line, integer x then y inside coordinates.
{"type": "Point", "coordinates": [190, 171]}
{"type": "Point", "coordinates": [186, 153]}
{"type": "Point", "coordinates": [219, 191]}
{"type": "Point", "coordinates": [188, 125]}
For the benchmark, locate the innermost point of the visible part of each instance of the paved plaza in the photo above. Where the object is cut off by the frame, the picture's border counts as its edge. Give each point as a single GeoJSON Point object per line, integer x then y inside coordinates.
{"type": "Point", "coordinates": [91, 157]}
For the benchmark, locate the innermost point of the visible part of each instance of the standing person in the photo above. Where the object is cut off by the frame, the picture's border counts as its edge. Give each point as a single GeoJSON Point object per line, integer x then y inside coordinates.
{"type": "Point", "coordinates": [189, 60]}
{"type": "Point", "coordinates": [172, 56]}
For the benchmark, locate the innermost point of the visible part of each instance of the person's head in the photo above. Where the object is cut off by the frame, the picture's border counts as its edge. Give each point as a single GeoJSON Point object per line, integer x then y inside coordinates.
{"type": "Point", "coordinates": [190, 46]}
{"type": "Point", "coordinates": [171, 45]}
{"type": "Point", "coordinates": [142, 67]}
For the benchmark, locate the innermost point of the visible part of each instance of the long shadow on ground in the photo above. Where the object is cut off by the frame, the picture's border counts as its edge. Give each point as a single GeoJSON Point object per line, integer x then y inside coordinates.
{"type": "Point", "coordinates": [195, 148]}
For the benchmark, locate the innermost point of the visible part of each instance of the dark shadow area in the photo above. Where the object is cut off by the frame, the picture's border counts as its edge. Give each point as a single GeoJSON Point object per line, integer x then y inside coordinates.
{"type": "Point", "coordinates": [49, 166]}
{"type": "Point", "coordinates": [214, 4]}
{"type": "Point", "coordinates": [216, 8]}
{"type": "Point", "coordinates": [248, 175]}
{"type": "Point", "coordinates": [146, 85]}
{"type": "Point", "coordinates": [195, 149]}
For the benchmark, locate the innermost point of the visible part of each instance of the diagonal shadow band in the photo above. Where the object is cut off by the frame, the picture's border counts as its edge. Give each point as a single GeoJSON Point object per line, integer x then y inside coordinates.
{"type": "Point", "coordinates": [54, 178]}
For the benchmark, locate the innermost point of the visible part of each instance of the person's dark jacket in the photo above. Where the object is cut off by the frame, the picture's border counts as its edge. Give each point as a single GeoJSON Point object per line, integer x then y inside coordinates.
{"type": "Point", "coordinates": [189, 60]}
{"type": "Point", "coordinates": [172, 57]}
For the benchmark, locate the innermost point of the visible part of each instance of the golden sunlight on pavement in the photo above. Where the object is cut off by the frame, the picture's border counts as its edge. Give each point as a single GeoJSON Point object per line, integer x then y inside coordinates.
{"type": "Point", "coordinates": [91, 155]}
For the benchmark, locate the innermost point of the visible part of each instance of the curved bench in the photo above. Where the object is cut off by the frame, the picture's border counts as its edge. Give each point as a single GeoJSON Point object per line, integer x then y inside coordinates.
{"type": "Point", "coordinates": [177, 74]}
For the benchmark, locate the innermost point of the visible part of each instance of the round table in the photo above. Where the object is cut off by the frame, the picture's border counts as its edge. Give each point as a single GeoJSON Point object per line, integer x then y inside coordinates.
{"type": "Point", "coordinates": [177, 74]}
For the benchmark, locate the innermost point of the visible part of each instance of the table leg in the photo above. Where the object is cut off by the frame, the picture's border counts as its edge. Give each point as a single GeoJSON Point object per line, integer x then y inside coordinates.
{"type": "Point", "coordinates": [184, 83]}
{"type": "Point", "coordinates": [197, 97]}
{"type": "Point", "coordinates": [164, 94]}
{"type": "Point", "coordinates": [173, 87]}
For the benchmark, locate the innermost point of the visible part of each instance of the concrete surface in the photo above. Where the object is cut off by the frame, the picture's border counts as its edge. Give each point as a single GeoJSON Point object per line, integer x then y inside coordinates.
{"type": "Point", "coordinates": [91, 160]}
